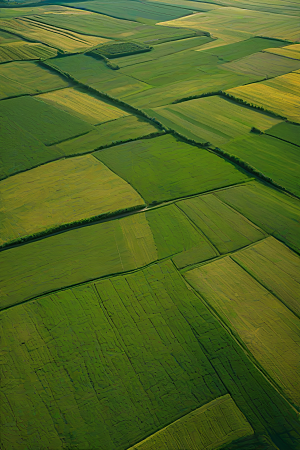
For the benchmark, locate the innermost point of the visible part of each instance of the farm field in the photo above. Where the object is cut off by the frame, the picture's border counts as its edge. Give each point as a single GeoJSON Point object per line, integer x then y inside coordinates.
{"type": "Point", "coordinates": [212, 119]}
{"type": "Point", "coordinates": [169, 169]}
{"type": "Point", "coordinates": [149, 225]}
{"type": "Point", "coordinates": [275, 158]}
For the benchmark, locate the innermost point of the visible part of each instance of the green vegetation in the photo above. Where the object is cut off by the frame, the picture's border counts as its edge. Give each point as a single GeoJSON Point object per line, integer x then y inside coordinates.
{"type": "Point", "coordinates": [20, 150]}
{"type": "Point", "coordinates": [188, 432]}
{"type": "Point", "coordinates": [276, 213]}
{"type": "Point", "coordinates": [223, 226]}
{"type": "Point", "coordinates": [276, 159]}
{"type": "Point", "coordinates": [15, 51]}
{"type": "Point", "coordinates": [276, 267]}
{"type": "Point", "coordinates": [286, 131]}
{"type": "Point", "coordinates": [19, 78]}
{"type": "Point", "coordinates": [211, 119]}
{"type": "Point", "coordinates": [115, 50]}
{"type": "Point", "coordinates": [265, 326]}
{"type": "Point", "coordinates": [133, 10]}
{"type": "Point", "coordinates": [169, 168]}
{"type": "Point", "coordinates": [45, 122]}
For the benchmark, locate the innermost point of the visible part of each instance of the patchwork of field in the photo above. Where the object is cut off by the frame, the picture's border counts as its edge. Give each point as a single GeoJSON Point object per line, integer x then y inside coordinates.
{"type": "Point", "coordinates": [61, 192]}
{"type": "Point", "coordinates": [212, 119]}
{"type": "Point", "coordinates": [150, 225]}
{"type": "Point", "coordinates": [268, 329]}
{"type": "Point", "coordinates": [279, 95]}
{"type": "Point", "coordinates": [163, 168]}
{"type": "Point", "coordinates": [23, 77]}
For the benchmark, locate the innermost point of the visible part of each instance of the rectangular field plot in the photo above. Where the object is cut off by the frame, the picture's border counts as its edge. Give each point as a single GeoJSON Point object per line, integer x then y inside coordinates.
{"type": "Point", "coordinates": [115, 131]}
{"type": "Point", "coordinates": [15, 51]}
{"type": "Point", "coordinates": [276, 267]}
{"type": "Point", "coordinates": [223, 226]}
{"type": "Point", "coordinates": [45, 122]}
{"type": "Point", "coordinates": [130, 324]}
{"type": "Point", "coordinates": [263, 65]}
{"type": "Point", "coordinates": [268, 329]}
{"type": "Point", "coordinates": [83, 105]}
{"type": "Point", "coordinates": [20, 150]}
{"type": "Point", "coordinates": [59, 38]}
{"type": "Point", "coordinates": [250, 23]}
{"type": "Point", "coordinates": [163, 168]}
{"type": "Point", "coordinates": [289, 51]}
{"type": "Point", "coordinates": [276, 213]}
{"type": "Point", "coordinates": [101, 249]}
{"type": "Point", "coordinates": [286, 131]}
{"type": "Point", "coordinates": [211, 119]}
{"type": "Point", "coordinates": [275, 158]}
{"type": "Point", "coordinates": [134, 10]}
{"type": "Point", "coordinates": [19, 78]}
{"type": "Point", "coordinates": [279, 95]}
{"type": "Point", "coordinates": [227, 424]}
{"type": "Point", "coordinates": [61, 192]}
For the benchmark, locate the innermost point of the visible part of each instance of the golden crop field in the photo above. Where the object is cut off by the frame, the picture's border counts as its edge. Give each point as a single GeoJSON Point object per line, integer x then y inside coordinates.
{"type": "Point", "coordinates": [61, 192]}
{"type": "Point", "coordinates": [290, 51]}
{"type": "Point", "coordinates": [83, 105]}
{"type": "Point", "coordinates": [279, 95]}
{"type": "Point", "coordinates": [264, 324]}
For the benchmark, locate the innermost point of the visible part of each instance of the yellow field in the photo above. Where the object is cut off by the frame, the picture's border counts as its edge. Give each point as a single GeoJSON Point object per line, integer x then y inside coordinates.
{"type": "Point", "coordinates": [276, 267]}
{"type": "Point", "coordinates": [213, 425]}
{"type": "Point", "coordinates": [280, 95]}
{"type": "Point", "coordinates": [85, 106]}
{"type": "Point", "coordinates": [265, 325]}
{"type": "Point", "coordinates": [67, 41]}
{"type": "Point", "coordinates": [290, 51]}
{"type": "Point", "coordinates": [61, 192]}
{"type": "Point", "coordinates": [21, 50]}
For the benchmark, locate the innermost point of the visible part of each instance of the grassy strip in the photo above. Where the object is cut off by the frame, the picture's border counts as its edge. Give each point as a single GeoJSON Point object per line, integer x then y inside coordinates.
{"type": "Point", "coordinates": [71, 225]}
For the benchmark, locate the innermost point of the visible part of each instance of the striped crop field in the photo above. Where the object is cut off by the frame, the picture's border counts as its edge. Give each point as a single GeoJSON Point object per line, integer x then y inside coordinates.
{"type": "Point", "coordinates": [279, 95]}
{"type": "Point", "coordinates": [150, 225]}
{"type": "Point", "coordinates": [169, 169]}
{"type": "Point", "coordinates": [61, 192]}
{"type": "Point", "coordinates": [83, 105]}
{"type": "Point", "coordinates": [212, 119]}
{"type": "Point", "coordinates": [268, 329]}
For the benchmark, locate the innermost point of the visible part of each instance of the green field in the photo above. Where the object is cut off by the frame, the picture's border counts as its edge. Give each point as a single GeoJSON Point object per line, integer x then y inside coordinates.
{"type": "Point", "coordinates": [169, 169]}
{"type": "Point", "coordinates": [211, 119]}
{"type": "Point", "coordinates": [275, 158]}
{"type": "Point", "coordinates": [149, 224]}
{"type": "Point", "coordinates": [23, 77]}
{"type": "Point", "coordinates": [286, 131]}
{"type": "Point", "coordinates": [276, 213]}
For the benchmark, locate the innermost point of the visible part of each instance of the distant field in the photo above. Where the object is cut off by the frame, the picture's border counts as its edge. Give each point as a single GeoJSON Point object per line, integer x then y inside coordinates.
{"type": "Point", "coordinates": [61, 192]}
{"type": "Point", "coordinates": [273, 6]}
{"type": "Point", "coordinates": [227, 425]}
{"type": "Point", "coordinates": [21, 50]}
{"type": "Point", "coordinates": [134, 10]}
{"type": "Point", "coordinates": [263, 64]}
{"type": "Point", "coordinates": [83, 105]}
{"type": "Point", "coordinates": [45, 122]}
{"type": "Point", "coordinates": [123, 129]}
{"type": "Point", "coordinates": [23, 77]}
{"type": "Point", "coordinates": [276, 213]}
{"type": "Point", "coordinates": [20, 150]}
{"type": "Point", "coordinates": [212, 119]}
{"type": "Point", "coordinates": [59, 38]}
{"type": "Point", "coordinates": [163, 168]}
{"type": "Point", "coordinates": [279, 95]}
{"type": "Point", "coordinates": [248, 22]}
{"type": "Point", "coordinates": [109, 27]}
{"type": "Point", "coordinates": [286, 131]}
{"type": "Point", "coordinates": [222, 225]}
{"type": "Point", "coordinates": [290, 51]}
{"type": "Point", "coordinates": [263, 323]}
{"type": "Point", "coordinates": [276, 267]}
{"type": "Point", "coordinates": [275, 158]}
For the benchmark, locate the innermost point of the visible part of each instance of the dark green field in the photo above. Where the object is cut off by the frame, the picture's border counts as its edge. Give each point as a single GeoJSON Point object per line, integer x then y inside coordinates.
{"type": "Point", "coordinates": [149, 225]}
